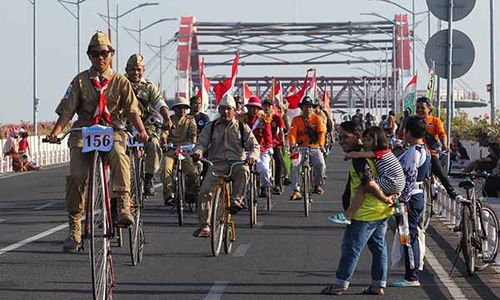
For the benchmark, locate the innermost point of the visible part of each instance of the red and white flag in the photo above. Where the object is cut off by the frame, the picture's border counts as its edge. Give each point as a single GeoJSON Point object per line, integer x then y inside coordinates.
{"type": "Point", "coordinates": [204, 88]}
{"type": "Point", "coordinates": [234, 68]}
{"type": "Point", "coordinates": [311, 86]}
{"type": "Point", "coordinates": [246, 93]}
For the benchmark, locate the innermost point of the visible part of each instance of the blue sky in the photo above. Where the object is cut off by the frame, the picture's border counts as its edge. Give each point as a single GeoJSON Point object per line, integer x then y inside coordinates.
{"type": "Point", "coordinates": [57, 41]}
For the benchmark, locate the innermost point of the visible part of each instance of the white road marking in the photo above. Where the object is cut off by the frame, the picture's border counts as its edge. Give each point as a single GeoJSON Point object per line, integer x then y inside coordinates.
{"type": "Point", "coordinates": [33, 238]}
{"type": "Point", "coordinates": [259, 224]}
{"type": "Point", "coordinates": [449, 283]}
{"type": "Point", "coordinates": [241, 250]}
{"type": "Point", "coordinates": [216, 290]}
{"type": "Point", "coordinates": [3, 220]}
{"type": "Point", "coordinates": [44, 206]}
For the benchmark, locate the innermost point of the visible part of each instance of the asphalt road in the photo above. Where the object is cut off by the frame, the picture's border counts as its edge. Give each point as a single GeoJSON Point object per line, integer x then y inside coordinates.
{"type": "Point", "coordinates": [287, 256]}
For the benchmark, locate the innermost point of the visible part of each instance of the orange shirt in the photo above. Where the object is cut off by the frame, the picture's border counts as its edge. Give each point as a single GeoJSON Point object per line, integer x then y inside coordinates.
{"type": "Point", "coordinates": [435, 128]}
{"type": "Point", "coordinates": [298, 132]}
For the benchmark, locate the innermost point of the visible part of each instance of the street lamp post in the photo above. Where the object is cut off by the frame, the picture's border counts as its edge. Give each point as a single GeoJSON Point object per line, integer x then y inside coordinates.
{"type": "Point", "coordinates": [394, 71]}
{"type": "Point", "coordinates": [492, 61]}
{"type": "Point", "coordinates": [117, 18]}
{"type": "Point", "coordinates": [77, 17]}
{"type": "Point", "coordinates": [35, 97]}
{"type": "Point", "coordinates": [141, 29]}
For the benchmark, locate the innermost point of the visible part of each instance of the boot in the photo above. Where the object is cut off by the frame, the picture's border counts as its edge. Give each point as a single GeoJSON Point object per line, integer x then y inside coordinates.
{"type": "Point", "coordinates": [263, 192]}
{"type": "Point", "coordinates": [149, 188]}
{"type": "Point", "coordinates": [125, 217]}
{"type": "Point", "coordinates": [72, 242]}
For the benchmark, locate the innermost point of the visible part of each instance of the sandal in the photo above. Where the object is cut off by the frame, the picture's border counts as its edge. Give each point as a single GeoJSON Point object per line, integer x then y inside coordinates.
{"type": "Point", "coordinates": [203, 231]}
{"type": "Point", "coordinates": [333, 289]}
{"type": "Point", "coordinates": [373, 291]}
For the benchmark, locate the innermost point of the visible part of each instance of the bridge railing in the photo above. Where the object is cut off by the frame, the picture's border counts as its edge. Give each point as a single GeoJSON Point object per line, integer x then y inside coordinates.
{"type": "Point", "coordinates": [43, 154]}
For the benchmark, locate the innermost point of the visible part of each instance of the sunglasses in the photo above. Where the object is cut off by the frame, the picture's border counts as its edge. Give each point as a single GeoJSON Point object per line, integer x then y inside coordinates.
{"type": "Point", "coordinates": [97, 54]}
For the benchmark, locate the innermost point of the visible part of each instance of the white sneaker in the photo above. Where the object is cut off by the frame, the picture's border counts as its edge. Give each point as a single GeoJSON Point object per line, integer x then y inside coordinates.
{"type": "Point", "coordinates": [339, 219]}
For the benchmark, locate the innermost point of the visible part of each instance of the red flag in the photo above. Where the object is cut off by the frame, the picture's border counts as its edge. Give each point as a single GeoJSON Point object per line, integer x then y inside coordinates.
{"type": "Point", "coordinates": [294, 100]}
{"type": "Point", "coordinates": [246, 93]}
{"type": "Point", "coordinates": [311, 86]}
{"type": "Point", "coordinates": [204, 88]}
{"type": "Point", "coordinates": [234, 69]}
{"type": "Point", "coordinates": [220, 89]}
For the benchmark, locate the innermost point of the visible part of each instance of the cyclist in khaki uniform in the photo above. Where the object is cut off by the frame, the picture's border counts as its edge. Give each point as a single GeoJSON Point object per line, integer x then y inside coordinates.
{"type": "Point", "coordinates": [226, 140]}
{"type": "Point", "coordinates": [151, 102]}
{"type": "Point", "coordinates": [82, 98]}
{"type": "Point", "coordinates": [183, 132]}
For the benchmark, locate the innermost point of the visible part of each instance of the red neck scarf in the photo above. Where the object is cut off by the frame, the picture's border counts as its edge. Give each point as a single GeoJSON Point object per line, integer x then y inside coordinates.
{"type": "Point", "coordinates": [101, 111]}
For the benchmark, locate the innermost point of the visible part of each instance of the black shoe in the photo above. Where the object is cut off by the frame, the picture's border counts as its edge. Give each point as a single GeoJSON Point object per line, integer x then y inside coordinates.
{"type": "Point", "coordinates": [168, 200]}
{"type": "Point", "coordinates": [287, 181]}
{"type": "Point", "coordinates": [236, 207]}
{"type": "Point", "coordinates": [276, 191]}
{"type": "Point", "coordinates": [263, 192]}
{"type": "Point", "coordinates": [149, 188]}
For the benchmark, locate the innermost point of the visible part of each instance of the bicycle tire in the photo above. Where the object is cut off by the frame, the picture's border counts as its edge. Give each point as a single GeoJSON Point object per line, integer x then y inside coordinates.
{"type": "Point", "coordinates": [100, 254]}
{"type": "Point", "coordinates": [228, 239]}
{"type": "Point", "coordinates": [252, 205]}
{"type": "Point", "coordinates": [306, 181]}
{"type": "Point", "coordinates": [428, 211]}
{"type": "Point", "coordinates": [489, 246]}
{"type": "Point", "coordinates": [179, 193]}
{"type": "Point", "coordinates": [217, 221]}
{"type": "Point", "coordinates": [466, 243]}
{"type": "Point", "coordinates": [134, 234]}
{"type": "Point", "coordinates": [269, 198]}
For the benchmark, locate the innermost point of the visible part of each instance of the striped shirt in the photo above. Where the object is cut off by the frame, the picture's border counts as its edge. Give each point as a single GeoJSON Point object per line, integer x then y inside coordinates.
{"type": "Point", "coordinates": [391, 176]}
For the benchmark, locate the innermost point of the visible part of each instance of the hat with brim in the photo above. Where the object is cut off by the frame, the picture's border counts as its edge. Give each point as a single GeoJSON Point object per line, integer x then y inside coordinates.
{"type": "Point", "coordinates": [307, 101]}
{"type": "Point", "coordinates": [181, 102]}
{"type": "Point", "coordinates": [254, 101]}
{"type": "Point", "coordinates": [267, 102]}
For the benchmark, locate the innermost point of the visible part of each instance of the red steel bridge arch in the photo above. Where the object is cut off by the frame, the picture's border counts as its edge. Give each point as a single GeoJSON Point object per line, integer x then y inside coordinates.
{"type": "Point", "coordinates": [308, 44]}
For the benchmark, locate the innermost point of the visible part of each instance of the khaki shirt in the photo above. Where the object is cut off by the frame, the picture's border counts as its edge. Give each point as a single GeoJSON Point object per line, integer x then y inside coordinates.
{"type": "Point", "coordinates": [81, 98]}
{"type": "Point", "coordinates": [149, 96]}
{"type": "Point", "coordinates": [225, 145]}
{"type": "Point", "coordinates": [183, 130]}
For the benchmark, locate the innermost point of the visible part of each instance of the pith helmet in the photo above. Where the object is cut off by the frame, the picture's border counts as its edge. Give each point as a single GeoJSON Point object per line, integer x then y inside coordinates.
{"type": "Point", "coordinates": [227, 100]}
{"type": "Point", "coordinates": [254, 101]}
{"type": "Point", "coordinates": [99, 39]}
{"type": "Point", "coordinates": [135, 60]}
{"type": "Point", "coordinates": [181, 101]}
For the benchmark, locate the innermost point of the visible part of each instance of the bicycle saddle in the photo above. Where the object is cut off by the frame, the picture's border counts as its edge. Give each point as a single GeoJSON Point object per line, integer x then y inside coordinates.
{"type": "Point", "coordinates": [466, 184]}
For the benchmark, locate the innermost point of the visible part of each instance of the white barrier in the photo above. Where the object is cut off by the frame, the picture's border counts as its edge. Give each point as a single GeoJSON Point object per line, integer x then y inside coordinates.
{"type": "Point", "coordinates": [43, 153]}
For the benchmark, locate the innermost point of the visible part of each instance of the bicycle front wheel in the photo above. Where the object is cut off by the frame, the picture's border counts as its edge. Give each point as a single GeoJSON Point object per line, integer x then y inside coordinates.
{"type": "Point", "coordinates": [100, 254]}
{"type": "Point", "coordinates": [468, 248]}
{"type": "Point", "coordinates": [428, 207]}
{"type": "Point", "coordinates": [252, 196]}
{"type": "Point", "coordinates": [180, 193]}
{"type": "Point", "coordinates": [306, 184]}
{"type": "Point", "coordinates": [489, 243]}
{"type": "Point", "coordinates": [217, 221]}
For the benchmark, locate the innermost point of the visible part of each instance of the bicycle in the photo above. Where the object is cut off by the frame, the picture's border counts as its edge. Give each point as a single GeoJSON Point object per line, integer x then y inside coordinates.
{"type": "Point", "coordinates": [479, 248]}
{"type": "Point", "coordinates": [305, 178]}
{"type": "Point", "coordinates": [179, 181]}
{"type": "Point", "coordinates": [137, 238]}
{"type": "Point", "coordinates": [222, 226]}
{"type": "Point", "coordinates": [252, 195]}
{"type": "Point", "coordinates": [430, 195]}
{"type": "Point", "coordinates": [98, 227]}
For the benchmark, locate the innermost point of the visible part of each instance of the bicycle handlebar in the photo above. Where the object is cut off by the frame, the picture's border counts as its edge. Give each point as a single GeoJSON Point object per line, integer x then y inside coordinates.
{"type": "Point", "coordinates": [64, 134]}
{"type": "Point", "coordinates": [226, 176]}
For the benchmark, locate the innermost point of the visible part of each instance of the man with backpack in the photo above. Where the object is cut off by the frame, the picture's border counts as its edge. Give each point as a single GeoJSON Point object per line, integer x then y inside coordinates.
{"type": "Point", "coordinates": [225, 140]}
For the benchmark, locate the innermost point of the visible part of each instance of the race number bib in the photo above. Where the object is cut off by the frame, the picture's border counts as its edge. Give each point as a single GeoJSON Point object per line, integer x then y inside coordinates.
{"type": "Point", "coordinates": [97, 138]}
{"type": "Point", "coordinates": [131, 140]}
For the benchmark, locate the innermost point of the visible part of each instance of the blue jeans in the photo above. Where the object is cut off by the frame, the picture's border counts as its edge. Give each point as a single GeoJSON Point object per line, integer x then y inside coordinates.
{"type": "Point", "coordinates": [356, 236]}
{"type": "Point", "coordinates": [415, 208]}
